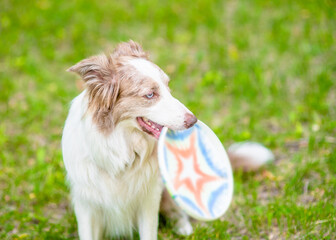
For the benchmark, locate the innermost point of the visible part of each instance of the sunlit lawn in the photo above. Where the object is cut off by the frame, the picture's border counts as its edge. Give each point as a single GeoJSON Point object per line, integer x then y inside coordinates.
{"type": "Point", "coordinates": [252, 70]}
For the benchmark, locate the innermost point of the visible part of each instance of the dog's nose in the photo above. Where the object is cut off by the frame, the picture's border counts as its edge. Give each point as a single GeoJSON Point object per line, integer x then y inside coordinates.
{"type": "Point", "coordinates": [189, 120]}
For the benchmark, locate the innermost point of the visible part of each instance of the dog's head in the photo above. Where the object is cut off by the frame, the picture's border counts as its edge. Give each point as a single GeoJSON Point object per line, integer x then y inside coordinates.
{"type": "Point", "coordinates": [126, 85]}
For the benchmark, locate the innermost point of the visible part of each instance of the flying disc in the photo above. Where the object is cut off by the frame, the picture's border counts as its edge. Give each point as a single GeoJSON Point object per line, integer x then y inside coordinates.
{"type": "Point", "coordinates": [196, 171]}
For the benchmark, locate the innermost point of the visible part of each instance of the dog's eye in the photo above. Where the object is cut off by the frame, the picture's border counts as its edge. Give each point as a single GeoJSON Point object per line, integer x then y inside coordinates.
{"type": "Point", "coordinates": [150, 95]}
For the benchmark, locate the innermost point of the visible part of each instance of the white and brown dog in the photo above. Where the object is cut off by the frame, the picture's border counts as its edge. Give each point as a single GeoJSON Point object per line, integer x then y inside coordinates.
{"type": "Point", "coordinates": [109, 145]}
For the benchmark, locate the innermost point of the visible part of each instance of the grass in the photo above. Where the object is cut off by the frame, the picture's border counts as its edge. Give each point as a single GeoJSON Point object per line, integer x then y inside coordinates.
{"type": "Point", "coordinates": [252, 70]}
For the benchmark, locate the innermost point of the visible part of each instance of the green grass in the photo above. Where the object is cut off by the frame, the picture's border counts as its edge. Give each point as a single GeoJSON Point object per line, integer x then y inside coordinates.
{"type": "Point", "coordinates": [252, 70]}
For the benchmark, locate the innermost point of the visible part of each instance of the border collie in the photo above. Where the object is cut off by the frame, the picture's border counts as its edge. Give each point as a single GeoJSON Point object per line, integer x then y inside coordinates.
{"type": "Point", "coordinates": [109, 145]}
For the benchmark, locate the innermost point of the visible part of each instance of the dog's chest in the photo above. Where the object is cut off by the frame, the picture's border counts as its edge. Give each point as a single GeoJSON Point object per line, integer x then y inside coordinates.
{"type": "Point", "coordinates": [122, 151]}
{"type": "Point", "coordinates": [126, 161]}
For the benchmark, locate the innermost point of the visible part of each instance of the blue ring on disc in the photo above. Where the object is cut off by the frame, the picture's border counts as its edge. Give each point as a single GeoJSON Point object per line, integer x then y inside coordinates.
{"type": "Point", "coordinates": [196, 171]}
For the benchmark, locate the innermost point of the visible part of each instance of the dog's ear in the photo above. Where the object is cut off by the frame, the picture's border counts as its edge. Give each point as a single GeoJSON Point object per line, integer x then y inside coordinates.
{"type": "Point", "coordinates": [99, 67]}
{"type": "Point", "coordinates": [99, 75]}
{"type": "Point", "coordinates": [102, 85]}
{"type": "Point", "coordinates": [130, 48]}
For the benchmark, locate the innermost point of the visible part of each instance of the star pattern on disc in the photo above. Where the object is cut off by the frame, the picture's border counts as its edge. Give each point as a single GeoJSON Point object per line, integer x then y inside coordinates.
{"type": "Point", "coordinates": [188, 172]}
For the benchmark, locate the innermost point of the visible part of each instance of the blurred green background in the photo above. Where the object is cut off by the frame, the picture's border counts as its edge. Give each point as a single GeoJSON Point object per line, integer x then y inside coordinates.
{"type": "Point", "coordinates": [251, 69]}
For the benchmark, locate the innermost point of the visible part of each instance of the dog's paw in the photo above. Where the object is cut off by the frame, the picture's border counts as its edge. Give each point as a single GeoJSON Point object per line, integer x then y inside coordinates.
{"type": "Point", "coordinates": [183, 227]}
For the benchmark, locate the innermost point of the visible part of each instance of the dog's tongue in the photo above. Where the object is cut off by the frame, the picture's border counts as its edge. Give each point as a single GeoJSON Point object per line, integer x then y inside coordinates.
{"type": "Point", "coordinates": [150, 127]}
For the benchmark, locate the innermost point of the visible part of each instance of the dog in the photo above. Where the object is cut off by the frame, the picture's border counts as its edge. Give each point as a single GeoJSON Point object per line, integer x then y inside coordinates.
{"type": "Point", "coordinates": [109, 145]}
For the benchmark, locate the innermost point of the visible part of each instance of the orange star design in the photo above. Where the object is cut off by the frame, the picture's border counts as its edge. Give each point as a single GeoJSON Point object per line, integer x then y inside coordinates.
{"type": "Point", "coordinates": [190, 154]}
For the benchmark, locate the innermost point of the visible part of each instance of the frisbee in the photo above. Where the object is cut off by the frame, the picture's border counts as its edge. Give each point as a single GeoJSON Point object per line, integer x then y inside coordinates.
{"type": "Point", "coordinates": [196, 171]}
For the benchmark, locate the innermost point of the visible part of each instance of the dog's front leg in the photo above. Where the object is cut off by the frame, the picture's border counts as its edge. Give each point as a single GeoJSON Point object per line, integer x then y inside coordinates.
{"type": "Point", "coordinates": [148, 217]}
{"type": "Point", "coordinates": [89, 224]}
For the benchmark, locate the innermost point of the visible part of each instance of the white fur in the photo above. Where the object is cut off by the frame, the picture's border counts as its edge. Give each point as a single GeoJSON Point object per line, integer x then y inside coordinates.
{"type": "Point", "coordinates": [148, 69]}
{"type": "Point", "coordinates": [174, 112]}
{"type": "Point", "coordinates": [174, 115]}
{"type": "Point", "coordinates": [114, 184]}
{"type": "Point", "coordinates": [114, 178]}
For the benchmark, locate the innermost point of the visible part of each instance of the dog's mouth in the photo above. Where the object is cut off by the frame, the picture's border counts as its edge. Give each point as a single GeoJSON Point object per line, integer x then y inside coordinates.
{"type": "Point", "coordinates": [150, 127]}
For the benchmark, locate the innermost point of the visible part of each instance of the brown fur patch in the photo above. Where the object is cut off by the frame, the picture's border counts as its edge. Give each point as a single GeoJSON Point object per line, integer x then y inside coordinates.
{"type": "Point", "coordinates": [102, 86]}
{"type": "Point", "coordinates": [133, 88]}
{"type": "Point", "coordinates": [113, 86]}
{"type": "Point", "coordinates": [131, 49]}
